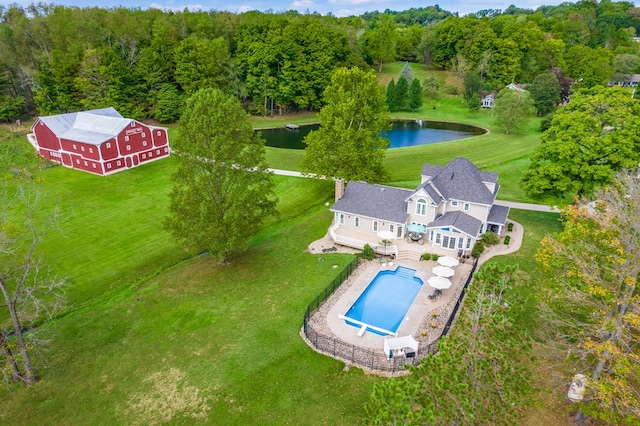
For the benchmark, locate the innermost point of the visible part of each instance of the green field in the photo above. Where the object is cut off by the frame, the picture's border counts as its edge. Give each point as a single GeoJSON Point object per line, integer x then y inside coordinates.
{"type": "Point", "coordinates": [150, 336]}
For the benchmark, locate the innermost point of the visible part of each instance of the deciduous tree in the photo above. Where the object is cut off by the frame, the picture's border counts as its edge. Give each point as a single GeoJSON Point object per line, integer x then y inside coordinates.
{"type": "Point", "coordinates": [29, 292]}
{"type": "Point", "coordinates": [545, 92]}
{"type": "Point", "coordinates": [477, 377]}
{"type": "Point", "coordinates": [513, 109]}
{"type": "Point", "coordinates": [221, 191]}
{"type": "Point", "coordinates": [591, 138]}
{"type": "Point", "coordinates": [593, 296]}
{"type": "Point", "coordinates": [349, 143]}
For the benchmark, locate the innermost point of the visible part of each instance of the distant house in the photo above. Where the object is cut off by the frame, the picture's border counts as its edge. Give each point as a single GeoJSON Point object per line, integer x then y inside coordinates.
{"type": "Point", "coordinates": [625, 80]}
{"type": "Point", "coordinates": [488, 101]}
{"type": "Point", "coordinates": [453, 206]}
{"type": "Point", "coordinates": [514, 86]}
{"type": "Point", "coordinates": [98, 141]}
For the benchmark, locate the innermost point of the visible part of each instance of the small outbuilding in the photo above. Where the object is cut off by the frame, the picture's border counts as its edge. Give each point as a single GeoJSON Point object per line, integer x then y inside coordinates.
{"type": "Point", "coordinates": [99, 141]}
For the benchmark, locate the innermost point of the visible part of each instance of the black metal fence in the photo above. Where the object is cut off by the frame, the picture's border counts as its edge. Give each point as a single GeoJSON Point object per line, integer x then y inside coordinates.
{"type": "Point", "coordinates": [373, 360]}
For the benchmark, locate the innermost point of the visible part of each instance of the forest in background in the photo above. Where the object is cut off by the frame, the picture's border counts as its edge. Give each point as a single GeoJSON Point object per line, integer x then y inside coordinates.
{"type": "Point", "coordinates": [56, 59]}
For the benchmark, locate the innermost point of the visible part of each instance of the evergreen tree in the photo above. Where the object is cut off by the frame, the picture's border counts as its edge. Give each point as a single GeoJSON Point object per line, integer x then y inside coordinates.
{"type": "Point", "coordinates": [415, 95]}
{"type": "Point", "coordinates": [391, 96]}
{"type": "Point", "coordinates": [402, 94]}
{"type": "Point", "coordinates": [407, 72]}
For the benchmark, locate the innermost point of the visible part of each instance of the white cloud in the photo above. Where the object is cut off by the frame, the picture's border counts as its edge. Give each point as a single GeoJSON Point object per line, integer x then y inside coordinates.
{"type": "Point", "coordinates": [355, 2]}
{"type": "Point", "coordinates": [243, 9]}
{"type": "Point", "coordinates": [303, 4]}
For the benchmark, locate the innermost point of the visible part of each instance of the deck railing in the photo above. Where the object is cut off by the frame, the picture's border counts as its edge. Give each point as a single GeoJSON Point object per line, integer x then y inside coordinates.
{"type": "Point", "coordinates": [367, 358]}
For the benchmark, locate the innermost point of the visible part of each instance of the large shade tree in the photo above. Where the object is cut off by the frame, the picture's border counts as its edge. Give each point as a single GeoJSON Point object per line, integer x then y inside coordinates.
{"type": "Point", "coordinates": [589, 140]}
{"type": "Point", "coordinates": [594, 300]}
{"type": "Point", "coordinates": [221, 190]}
{"type": "Point", "coordinates": [349, 143]}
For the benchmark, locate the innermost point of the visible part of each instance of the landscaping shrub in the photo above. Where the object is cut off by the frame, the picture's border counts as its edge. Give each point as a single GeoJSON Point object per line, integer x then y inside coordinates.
{"type": "Point", "coordinates": [490, 238]}
{"type": "Point", "coordinates": [510, 227]}
{"type": "Point", "coordinates": [477, 249]}
{"type": "Point", "coordinates": [367, 252]}
{"type": "Point", "coordinates": [507, 239]}
{"type": "Point", "coordinates": [435, 257]}
{"type": "Point", "coordinates": [426, 256]}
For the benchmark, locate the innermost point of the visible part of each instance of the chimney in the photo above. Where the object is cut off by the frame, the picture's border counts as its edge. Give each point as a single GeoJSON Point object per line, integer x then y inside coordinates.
{"type": "Point", "coordinates": [339, 188]}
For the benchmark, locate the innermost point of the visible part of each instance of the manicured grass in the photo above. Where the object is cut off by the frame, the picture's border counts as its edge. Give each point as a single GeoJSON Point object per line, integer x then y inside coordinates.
{"type": "Point", "coordinates": [507, 155]}
{"type": "Point", "coordinates": [138, 310]}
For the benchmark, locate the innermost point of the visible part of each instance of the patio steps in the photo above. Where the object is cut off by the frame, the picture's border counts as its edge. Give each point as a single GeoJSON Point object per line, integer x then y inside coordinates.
{"type": "Point", "coordinates": [408, 255]}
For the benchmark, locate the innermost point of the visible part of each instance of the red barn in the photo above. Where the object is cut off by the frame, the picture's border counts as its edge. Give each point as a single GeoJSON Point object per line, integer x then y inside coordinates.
{"type": "Point", "coordinates": [99, 141]}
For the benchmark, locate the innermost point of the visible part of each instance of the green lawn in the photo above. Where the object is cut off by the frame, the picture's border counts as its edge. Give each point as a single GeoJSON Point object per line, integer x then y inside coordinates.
{"type": "Point", "coordinates": [495, 151]}
{"type": "Point", "coordinates": [146, 326]}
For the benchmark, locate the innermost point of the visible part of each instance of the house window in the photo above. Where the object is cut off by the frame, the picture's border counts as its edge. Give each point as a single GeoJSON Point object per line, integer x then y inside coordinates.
{"type": "Point", "coordinates": [399, 233]}
{"type": "Point", "coordinates": [356, 221]}
{"type": "Point", "coordinates": [144, 156]}
{"type": "Point", "coordinates": [93, 165]}
{"type": "Point", "coordinates": [468, 243]}
{"type": "Point", "coordinates": [421, 207]}
{"type": "Point", "coordinates": [133, 124]}
{"type": "Point", "coordinates": [466, 207]}
{"type": "Point", "coordinates": [144, 143]}
{"type": "Point", "coordinates": [118, 163]}
{"type": "Point", "coordinates": [445, 241]}
{"type": "Point", "coordinates": [108, 145]}
{"type": "Point", "coordinates": [108, 166]}
{"type": "Point", "coordinates": [126, 138]}
{"type": "Point", "coordinates": [128, 147]}
{"type": "Point", "coordinates": [460, 241]}
{"type": "Point", "coordinates": [438, 238]}
{"type": "Point", "coordinates": [375, 226]}
{"type": "Point", "coordinates": [77, 161]}
{"type": "Point", "coordinates": [158, 151]}
{"type": "Point", "coordinates": [454, 203]}
{"type": "Point", "coordinates": [392, 228]}
{"type": "Point", "coordinates": [144, 134]}
{"type": "Point", "coordinates": [431, 236]}
{"type": "Point", "coordinates": [341, 218]}
{"type": "Point", "coordinates": [86, 164]}
{"type": "Point", "coordinates": [74, 146]}
{"type": "Point", "coordinates": [159, 133]}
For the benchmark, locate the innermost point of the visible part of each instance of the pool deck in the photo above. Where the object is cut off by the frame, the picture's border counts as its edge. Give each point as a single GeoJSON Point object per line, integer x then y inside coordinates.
{"type": "Point", "coordinates": [416, 313]}
{"type": "Point", "coordinates": [417, 321]}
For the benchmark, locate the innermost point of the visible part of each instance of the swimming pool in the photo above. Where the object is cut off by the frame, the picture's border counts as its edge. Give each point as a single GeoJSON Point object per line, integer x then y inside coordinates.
{"type": "Point", "coordinates": [383, 305]}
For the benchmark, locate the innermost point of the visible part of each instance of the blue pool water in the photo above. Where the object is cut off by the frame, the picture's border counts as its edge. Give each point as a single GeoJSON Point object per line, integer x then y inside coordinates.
{"type": "Point", "coordinates": [385, 301]}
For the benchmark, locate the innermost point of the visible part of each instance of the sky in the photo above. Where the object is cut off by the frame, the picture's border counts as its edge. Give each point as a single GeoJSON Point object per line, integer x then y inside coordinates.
{"type": "Point", "coordinates": [336, 7]}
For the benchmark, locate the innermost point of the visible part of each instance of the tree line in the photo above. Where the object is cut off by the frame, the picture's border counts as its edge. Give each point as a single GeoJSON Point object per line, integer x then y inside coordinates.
{"type": "Point", "coordinates": [145, 63]}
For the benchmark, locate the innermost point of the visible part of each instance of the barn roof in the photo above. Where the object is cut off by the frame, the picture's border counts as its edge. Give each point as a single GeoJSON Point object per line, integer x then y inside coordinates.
{"type": "Point", "coordinates": [92, 127]}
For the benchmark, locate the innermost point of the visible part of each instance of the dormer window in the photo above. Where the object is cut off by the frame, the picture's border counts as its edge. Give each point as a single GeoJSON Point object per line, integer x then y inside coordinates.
{"type": "Point", "coordinates": [454, 203]}
{"type": "Point", "coordinates": [467, 206]}
{"type": "Point", "coordinates": [421, 207]}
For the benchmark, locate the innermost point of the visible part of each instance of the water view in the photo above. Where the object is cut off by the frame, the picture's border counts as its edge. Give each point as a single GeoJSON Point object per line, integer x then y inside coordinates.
{"type": "Point", "coordinates": [403, 134]}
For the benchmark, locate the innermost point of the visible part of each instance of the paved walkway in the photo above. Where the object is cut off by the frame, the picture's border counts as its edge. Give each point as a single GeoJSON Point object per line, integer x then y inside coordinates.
{"type": "Point", "coordinates": [511, 204]}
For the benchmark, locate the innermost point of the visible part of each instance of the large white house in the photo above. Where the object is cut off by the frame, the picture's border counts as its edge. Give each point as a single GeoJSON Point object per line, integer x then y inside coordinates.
{"type": "Point", "coordinates": [451, 208]}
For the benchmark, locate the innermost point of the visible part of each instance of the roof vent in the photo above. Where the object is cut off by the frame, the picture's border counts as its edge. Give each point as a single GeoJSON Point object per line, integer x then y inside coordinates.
{"type": "Point", "coordinates": [452, 173]}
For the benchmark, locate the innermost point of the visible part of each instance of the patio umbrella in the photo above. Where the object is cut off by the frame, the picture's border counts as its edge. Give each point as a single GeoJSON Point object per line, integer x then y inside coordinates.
{"type": "Point", "coordinates": [414, 227]}
{"type": "Point", "coordinates": [439, 283]}
{"type": "Point", "coordinates": [386, 235]}
{"type": "Point", "coordinates": [443, 271]}
{"type": "Point", "coordinates": [448, 261]}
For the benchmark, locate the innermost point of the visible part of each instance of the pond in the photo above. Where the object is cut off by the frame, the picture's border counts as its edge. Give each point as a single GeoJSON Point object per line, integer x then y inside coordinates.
{"type": "Point", "coordinates": [403, 134]}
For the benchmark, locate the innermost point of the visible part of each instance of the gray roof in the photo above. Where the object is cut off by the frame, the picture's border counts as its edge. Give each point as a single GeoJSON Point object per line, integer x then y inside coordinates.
{"type": "Point", "coordinates": [375, 201]}
{"type": "Point", "coordinates": [460, 220]}
{"type": "Point", "coordinates": [498, 214]}
{"type": "Point", "coordinates": [93, 126]}
{"type": "Point", "coordinates": [460, 180]}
